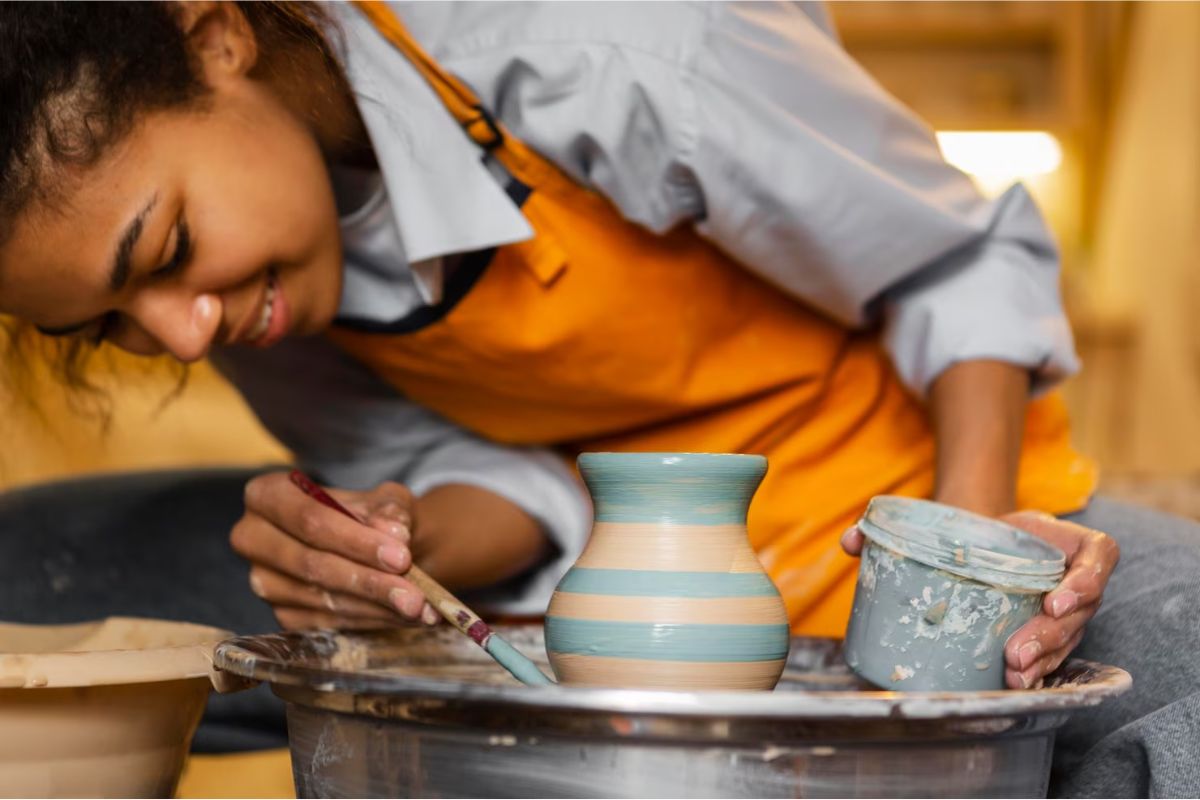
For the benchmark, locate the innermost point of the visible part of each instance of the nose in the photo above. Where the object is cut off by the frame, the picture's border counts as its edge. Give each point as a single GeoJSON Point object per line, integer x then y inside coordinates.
{"type": "Point", "coordinates": [183, 324]}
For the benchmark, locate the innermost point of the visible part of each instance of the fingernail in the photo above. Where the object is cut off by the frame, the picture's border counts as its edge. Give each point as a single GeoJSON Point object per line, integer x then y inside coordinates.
{"type": "Point", "coordinates": [847, 535]}
{"type": "Point", "coordinates": [1039, 683]}
{"type": "Point", "coordinates": [1063, 603]}
{"type": "Point", "coordinates": [256, 586]}
{"type": "Point", "coordinates": [392, 509]}
{"type": "Point", "coordinates": [393, 556]}
{"type": "Point", "coordinates": [429, 616]}
{"type": "Point", "coordinates": [398, 597]}
{"type": "Point", "coordinates": [1028, 653]}
{"type": "Point", "coordinates": [396, 529]}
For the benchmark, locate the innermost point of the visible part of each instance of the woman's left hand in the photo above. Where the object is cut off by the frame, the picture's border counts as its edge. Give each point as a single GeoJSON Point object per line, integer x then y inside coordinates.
{"type": "Point", "coordinates": [1040, 645]}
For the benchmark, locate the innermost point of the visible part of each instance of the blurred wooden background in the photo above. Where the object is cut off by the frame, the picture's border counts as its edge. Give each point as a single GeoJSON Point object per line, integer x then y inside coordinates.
{"type": "Point", "coordinates": [1114, 83]}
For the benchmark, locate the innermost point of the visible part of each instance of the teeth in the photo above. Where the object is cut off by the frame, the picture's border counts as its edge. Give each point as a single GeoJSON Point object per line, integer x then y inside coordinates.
{"type": "Point", "coordinates": [264, 318]}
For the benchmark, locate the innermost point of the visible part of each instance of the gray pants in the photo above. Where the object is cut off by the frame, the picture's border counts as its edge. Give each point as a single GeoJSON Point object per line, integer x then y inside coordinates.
{"type": "Point", "coordinates": [156, 545]}
{"type": "Point", "coordinates": [1146, 743]}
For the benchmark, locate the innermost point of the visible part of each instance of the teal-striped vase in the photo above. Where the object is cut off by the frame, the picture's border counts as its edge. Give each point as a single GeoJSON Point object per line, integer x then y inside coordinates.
{"type": "Point", "coordinates": [668, 593]}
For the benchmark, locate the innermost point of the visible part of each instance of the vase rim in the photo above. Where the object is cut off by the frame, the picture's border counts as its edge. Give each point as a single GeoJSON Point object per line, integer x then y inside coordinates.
{"type": "Point", "coordinates": [669, 457]}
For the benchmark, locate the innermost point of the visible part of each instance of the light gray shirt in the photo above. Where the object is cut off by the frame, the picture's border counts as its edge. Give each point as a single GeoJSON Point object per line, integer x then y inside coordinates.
{"type": "Point", "coordinates": [747, 121]}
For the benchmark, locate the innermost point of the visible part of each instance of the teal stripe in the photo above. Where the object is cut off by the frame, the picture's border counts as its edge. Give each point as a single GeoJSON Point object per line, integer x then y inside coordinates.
{"type": "Point", "coordinates": [678, 488]}
{"type": "Point", "coordinates": [652, 583]}
{"type": "Point", "coordinates": [648, 640]}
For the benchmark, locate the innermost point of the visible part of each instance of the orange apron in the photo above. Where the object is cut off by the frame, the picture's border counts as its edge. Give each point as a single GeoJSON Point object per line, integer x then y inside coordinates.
{"type": "Point", "coordinates": [600, 335]}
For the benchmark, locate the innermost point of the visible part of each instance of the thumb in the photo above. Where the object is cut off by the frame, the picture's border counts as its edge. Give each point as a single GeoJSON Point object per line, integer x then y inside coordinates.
{"type": "Point", "coordinates": [391, 511]}
{"type": "Point", "coordinates": [852, 541]}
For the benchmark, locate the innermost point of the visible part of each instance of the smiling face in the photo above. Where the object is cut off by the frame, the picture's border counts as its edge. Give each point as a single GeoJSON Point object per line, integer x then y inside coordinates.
{"type": "Point", "coordinates": [209, 225]}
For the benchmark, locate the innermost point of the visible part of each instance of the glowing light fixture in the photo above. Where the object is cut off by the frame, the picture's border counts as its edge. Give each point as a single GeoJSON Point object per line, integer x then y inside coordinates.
{"type": "Point", "coordinates": [996, 159]}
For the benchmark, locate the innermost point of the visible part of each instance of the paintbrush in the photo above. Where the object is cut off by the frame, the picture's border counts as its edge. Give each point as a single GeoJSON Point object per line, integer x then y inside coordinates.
{"type": "Point", "coordinates": [449, 606]}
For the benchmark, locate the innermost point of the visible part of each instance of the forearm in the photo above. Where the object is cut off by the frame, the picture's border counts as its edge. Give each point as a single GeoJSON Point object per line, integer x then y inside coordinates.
{"type": "Point", "coordinates": [977, 410]}
{"type": "Point", "coordinates": [467, 537]}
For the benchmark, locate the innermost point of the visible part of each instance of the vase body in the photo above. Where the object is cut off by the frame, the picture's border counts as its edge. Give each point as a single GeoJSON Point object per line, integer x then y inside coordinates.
{"type": "Point", "coordinates": [668, 593]}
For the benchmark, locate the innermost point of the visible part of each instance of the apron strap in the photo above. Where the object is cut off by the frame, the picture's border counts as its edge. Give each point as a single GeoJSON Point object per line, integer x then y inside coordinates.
{"type": "Point", "coordinates": [459, 100]}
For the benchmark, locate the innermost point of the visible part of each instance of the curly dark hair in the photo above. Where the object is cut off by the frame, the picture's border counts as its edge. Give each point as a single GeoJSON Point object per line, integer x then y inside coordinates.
{"type": "Point", "coordinates": [74, 78]}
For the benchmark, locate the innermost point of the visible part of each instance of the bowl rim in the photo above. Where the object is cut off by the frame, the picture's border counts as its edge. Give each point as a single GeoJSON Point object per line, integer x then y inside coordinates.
{"type": "Point", "coordinates": [189, 658]}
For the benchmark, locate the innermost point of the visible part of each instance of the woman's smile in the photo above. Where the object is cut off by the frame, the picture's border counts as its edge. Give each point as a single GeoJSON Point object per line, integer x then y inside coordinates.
{"type": "Point", "coordinates": [271, 322]}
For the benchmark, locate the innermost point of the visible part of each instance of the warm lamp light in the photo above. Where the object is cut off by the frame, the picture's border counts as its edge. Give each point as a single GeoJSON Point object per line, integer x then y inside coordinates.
{"type": "Point", "coordinates": [997, 159]}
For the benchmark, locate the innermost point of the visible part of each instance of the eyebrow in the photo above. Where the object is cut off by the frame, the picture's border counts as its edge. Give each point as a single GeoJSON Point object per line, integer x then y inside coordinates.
{"type": "Point", "coordinates": [119, 275]}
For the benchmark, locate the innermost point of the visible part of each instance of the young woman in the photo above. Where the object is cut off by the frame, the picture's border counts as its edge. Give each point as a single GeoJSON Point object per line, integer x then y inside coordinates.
{"type": "Point", "coordinates": [571, 227]}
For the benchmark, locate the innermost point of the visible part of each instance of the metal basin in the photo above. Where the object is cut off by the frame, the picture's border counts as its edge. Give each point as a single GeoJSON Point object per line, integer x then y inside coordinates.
{"type": "Point", "coordinates": [425, 713]}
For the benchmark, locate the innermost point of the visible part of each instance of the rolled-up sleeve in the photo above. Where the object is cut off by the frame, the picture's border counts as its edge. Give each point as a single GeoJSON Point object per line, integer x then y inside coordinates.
{"type": "Point", "coordinates": [995, 299]}
{"type": "Point", "coordinates": [828, 187]}
{"type": "Point", "coordinates": [366, 433]}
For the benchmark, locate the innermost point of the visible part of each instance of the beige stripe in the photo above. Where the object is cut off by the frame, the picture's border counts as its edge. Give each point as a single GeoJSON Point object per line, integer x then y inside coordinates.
{"type": "Point", "coordinates": [637, 673]}
{"type": "Point", "coordinates": [672, 548]}
{"type": "Point", "coordinates": [668, 610]}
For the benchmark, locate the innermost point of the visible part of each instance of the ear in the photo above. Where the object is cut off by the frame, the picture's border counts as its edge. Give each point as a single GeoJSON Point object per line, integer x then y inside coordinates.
{"type": "Point", "coordinates": [220, 37]}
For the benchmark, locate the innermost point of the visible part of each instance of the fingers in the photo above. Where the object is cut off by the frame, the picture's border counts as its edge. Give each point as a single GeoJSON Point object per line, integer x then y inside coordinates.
{"type": "Point", "coordinates": [1087, 575]}
{"type": "Point", "coordinates": [387, 508]}
{"type": "Point", "coordinates": [304, 619]}
{"type": "Point", "coordinates": [1054, 660]}
{"type": "Point", "coordinates": [280, 590]}
{"type": "Point", "coordinates": [294, 597]}
{"type": "Point", "coordinates": [1033, 676]}
{"type": "Point", "coordinates": [263, 544]}
{"type": "Point", "coordinates": [1043, 635]}
{"type": "Point", "coordinates": [852, 541]}
{"type": "Point", "coordinates": [1042, 644]}
{"type": "Point", "coordinates": [1091, 558]}
{"type": "Point", "coordinates": [381, 545]}
{"type": "Point", "coordinates": [1022, 680]}
{"type": "Point", "coordinates": [391, 524]}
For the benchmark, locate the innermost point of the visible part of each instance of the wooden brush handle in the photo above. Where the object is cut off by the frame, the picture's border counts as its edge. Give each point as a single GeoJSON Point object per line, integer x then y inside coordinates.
{"type": "Point", "coordinates": [446, 604]}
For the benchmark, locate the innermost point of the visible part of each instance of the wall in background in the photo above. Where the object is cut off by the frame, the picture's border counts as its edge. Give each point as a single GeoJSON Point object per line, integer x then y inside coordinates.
{"type": "Point", "coordinates": [1140, 405]}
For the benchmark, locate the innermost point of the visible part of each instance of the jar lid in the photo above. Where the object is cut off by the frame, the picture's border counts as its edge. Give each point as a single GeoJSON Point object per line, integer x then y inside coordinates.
{"type": "Point", "coordinates": [963, 543]}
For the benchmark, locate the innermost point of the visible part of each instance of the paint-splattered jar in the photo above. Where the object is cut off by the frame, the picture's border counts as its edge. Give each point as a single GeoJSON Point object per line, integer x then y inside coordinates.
{"type": "Point", "coordinates": [668, 593]}
{"type": "Point", "coordinates": [939, 592]}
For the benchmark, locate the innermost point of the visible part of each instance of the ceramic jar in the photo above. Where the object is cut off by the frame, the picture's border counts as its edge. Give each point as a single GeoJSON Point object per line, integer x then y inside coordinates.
{"type": "Point", "coordinates": [668, 593]}
{"type": "Point", "coordinates": [939, 592]}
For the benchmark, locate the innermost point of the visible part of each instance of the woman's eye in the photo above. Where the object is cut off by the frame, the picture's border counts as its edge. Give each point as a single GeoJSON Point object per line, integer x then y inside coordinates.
{"type": "Point", "coordinates": [183, 249]}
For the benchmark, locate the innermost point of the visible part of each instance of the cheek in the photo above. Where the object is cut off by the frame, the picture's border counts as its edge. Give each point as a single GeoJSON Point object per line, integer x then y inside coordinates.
{"type": "Point", "coordinates": [281, 212]}
{"type": "Point", "coordinates": [263, 199]}
{"type": "Point", "coordinates": [228, 253]}
{"type": "Point", "coordinates": [308, 218]}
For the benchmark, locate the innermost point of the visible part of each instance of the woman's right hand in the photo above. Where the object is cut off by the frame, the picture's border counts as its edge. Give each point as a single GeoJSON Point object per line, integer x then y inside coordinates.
{"type": "Point", "coordinates": [320, 569]}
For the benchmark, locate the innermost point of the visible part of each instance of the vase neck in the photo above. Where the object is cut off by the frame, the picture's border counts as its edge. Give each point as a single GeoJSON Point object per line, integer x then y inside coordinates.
{"type": "Point", "coordinates": [685, 490]}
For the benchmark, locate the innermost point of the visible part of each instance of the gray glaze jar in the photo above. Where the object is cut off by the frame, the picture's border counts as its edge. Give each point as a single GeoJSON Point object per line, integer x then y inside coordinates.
{"type": "Point", "coordinates": [939, 592]}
